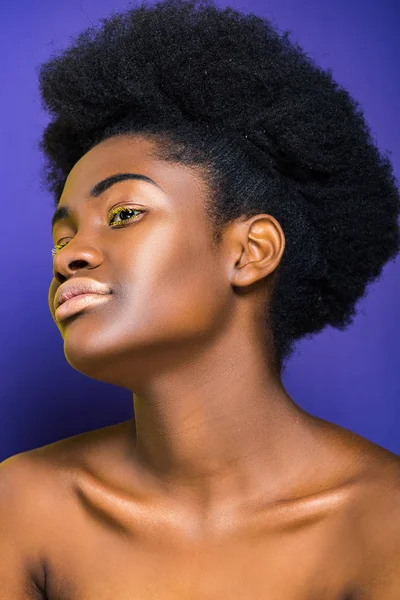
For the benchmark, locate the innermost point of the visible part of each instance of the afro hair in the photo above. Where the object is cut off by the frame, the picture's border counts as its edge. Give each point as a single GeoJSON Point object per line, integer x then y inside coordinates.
{"type": "Point", "coordinates": [271, 131]}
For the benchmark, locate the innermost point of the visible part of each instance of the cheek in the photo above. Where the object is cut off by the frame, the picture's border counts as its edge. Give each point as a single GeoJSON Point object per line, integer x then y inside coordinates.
{"type": "Point", "coordinates": [179, 293]}
{"type": "Point", "coordinates": [162, 298]}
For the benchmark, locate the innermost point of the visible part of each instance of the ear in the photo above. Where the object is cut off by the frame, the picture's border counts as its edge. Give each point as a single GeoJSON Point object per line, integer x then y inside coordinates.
{"type": "Point", "coordinates": [256, 246]}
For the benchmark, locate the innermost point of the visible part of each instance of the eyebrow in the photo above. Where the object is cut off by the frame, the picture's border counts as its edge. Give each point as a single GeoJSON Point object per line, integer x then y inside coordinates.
{"type": "Point", "coordinates": [64, 212]}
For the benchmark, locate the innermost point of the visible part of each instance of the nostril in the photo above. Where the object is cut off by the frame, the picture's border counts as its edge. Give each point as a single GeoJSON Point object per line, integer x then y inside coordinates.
{"type": "Point", "coordinates": [78, 263]}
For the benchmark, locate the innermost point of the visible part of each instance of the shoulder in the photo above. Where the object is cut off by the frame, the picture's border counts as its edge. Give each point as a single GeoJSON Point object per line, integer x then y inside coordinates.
{"type": "Point", "coordinates": [374, 474]}
{"type": "Point", "coordinates": [376, 515]}
{"type": "Point", "coordinates": [37, 492]}
{"type": "Point", "coordinates": [48, 470]}
{"type": "Point", "coordinates": [17, 475]}
{"type": "Point", "coordinates": [384, 504]}
{"type": "Point", "coordinates": [23, 483]}
{"type": "Point", "coordinates": [68, 458]}
{"type": "Point", "coordinates": [383, 535]}
{"type": "Point", "coordinates": [371, 512]}
{"type": "Point", "coordinates": [22, 514]}
{"type": "Point", "coordinates": [31, 481]}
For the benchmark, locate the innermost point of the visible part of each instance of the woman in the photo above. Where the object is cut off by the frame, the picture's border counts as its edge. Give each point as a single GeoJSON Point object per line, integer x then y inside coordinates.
{"type": "Point", "coordinates": [218, 197]}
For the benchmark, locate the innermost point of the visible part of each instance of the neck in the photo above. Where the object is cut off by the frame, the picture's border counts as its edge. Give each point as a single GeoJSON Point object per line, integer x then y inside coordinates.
{"type": "Point", "coordinates": [221, 430]}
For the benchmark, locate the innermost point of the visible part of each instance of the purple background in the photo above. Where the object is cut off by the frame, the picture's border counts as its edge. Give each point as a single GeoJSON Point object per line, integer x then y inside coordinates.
{"type": "Point", "coordinates": [350, 378]}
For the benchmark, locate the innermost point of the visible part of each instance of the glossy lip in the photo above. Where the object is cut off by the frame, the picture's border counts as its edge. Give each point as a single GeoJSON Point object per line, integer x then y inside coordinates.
{"type": "Point", "coordinates": [77, 303]}
{"type": "Point", "coordinates": [76, 287]}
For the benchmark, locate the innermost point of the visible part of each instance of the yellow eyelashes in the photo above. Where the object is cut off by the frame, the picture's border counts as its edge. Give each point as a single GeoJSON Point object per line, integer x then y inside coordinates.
{"type": "Point", "coordinates": [115, 211]}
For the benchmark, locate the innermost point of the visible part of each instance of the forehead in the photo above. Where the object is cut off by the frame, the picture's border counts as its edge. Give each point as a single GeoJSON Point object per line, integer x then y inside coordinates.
{"type": "Point", "coordinates": [134, 154]}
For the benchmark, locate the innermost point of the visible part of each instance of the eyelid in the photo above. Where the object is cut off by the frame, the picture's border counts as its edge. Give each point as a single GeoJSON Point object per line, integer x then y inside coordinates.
{"type": "Point", "coordinates": [115, 210]}
{"type": "Point", "coordinates": [121, 203]}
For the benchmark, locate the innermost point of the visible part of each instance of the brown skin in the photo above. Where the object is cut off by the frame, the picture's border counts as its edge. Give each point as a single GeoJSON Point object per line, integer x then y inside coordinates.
{"type": "Point", "coordinates": [222, 487]}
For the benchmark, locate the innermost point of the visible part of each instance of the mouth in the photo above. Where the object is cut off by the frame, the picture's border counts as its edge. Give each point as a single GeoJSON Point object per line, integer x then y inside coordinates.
{"type": "Point", "coordinates": [78, 303]}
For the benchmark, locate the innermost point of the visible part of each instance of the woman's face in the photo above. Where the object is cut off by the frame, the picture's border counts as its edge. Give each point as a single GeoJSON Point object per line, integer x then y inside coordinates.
{"type": "Point", "coordinates": [169, 286]}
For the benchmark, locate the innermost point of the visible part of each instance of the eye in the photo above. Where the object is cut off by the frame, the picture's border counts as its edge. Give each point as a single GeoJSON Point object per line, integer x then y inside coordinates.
{"type": "Point", "coordinates": [119, 210]}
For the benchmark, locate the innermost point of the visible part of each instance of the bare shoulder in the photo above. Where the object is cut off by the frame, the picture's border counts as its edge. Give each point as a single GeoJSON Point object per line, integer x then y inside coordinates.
{"type": "Point", "coordinates": [371, 510]}
{"type": "Point", "coordinates": [380, 520]}
{"type": "Point", "coordinates": [383, 482]}
{"type": "Point", "coordinates": [18, 481]}
{"type": "Point", "coordinates": [37, 500]}
{"type": "Point", "coordinates": [85, 451]}
{"type": "Point", "coordinates": [375, 510]}
{"type": "Point", "coordinates": [22, 513]}
{"type": "Point", "coordinates": [48, 470]}
{"type": "Point", "coordinates": [375, 469]}
{"type": "Point", "coordinates": [25, 484]}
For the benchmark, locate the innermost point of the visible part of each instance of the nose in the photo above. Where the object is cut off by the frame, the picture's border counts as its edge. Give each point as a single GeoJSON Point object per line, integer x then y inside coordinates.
{"type": "Point", "coordinates": [75, 256]}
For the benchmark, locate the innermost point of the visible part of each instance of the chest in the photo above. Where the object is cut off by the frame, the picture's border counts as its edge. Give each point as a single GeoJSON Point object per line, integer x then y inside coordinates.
{"type": "Point", "coordinates": [308, 564]}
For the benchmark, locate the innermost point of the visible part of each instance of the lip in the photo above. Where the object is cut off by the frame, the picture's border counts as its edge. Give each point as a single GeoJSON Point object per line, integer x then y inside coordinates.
{"type": "Point", "coordinates": [77, 303]}
{"type": "Point", "coordinates": [78, 286]}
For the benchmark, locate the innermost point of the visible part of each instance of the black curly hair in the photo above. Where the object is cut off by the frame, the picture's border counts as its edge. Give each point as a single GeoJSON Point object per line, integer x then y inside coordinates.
{"type": "Point", "coordinates": [272, 132]}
